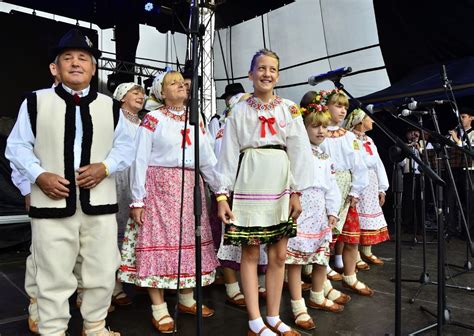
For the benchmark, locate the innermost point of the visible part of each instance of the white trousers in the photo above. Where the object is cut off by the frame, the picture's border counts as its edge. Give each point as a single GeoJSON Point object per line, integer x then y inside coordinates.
{"type": "Point", "coordinates": [56, 246]}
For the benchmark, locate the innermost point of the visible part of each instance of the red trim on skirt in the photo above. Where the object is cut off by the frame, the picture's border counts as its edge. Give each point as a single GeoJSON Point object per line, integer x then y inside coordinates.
{"type": "Point", "coordinates": [351, 230]}
{"type": "Point", "coordinates": [373, 237]}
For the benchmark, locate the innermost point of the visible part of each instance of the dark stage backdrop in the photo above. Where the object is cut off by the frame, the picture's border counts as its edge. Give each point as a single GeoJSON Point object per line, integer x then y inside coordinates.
{"type": "Point", "coordinates": [413, 33]}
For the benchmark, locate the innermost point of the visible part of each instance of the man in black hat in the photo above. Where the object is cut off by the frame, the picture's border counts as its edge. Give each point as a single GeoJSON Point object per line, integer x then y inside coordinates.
{"type": "Point", "coordinates": [68, 141]}
{"type": "Point", "coordinates": [217, 120]}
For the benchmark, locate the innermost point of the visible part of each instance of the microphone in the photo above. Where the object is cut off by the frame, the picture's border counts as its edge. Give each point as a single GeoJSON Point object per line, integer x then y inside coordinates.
{"type": "Point", "coordinates": [428, 104]}
{"type": "Point", "coordinates": [407, 112]}
{"type": "Point", "coordinates": [331, 75]}
{"type": "Point", "coordinates": [390, 106]}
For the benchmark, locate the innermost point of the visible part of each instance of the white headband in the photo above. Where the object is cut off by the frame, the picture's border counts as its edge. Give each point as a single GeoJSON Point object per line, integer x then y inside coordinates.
{"type": "Point", "coordinates": [122, 90]}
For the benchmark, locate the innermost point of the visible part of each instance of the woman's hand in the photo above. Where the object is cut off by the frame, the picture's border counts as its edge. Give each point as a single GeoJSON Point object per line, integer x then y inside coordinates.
{"type": "Point", "coordinates": [295, 206]}
{"type": "Point", "coordinates": [352, 201]}
{"type": "Point", "coordinates": [332, 221]}
{"type": "Point", "coordinates": [137, 215]}
{"type": "Point", "coordinates": [224, 213]}
{"type": "Point", "coordinates": [381, 198]}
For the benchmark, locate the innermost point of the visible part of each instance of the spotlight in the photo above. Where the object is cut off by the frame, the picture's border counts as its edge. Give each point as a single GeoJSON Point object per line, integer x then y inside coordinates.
{"type": "Point", "coordinates": [149, 6]}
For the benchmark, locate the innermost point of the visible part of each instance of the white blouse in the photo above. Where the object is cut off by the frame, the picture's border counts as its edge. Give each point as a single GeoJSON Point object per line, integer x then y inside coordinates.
{"type": "Point", "coordinates": [344, 149]}
{"type": "Point", "coordinates": [325, 179]}
{"type": "Point", "coordinates": [254, 124]}
{"type": "Point", "coordinates": [159, 143]}
{"type": "Point", "coordinates": [372, 160]}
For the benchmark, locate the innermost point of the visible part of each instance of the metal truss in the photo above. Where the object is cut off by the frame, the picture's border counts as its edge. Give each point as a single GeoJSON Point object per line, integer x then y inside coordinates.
{"type": "Point", "coordinates": [116, 66]}
{"type": "Point", "coordinates": [208, 86]}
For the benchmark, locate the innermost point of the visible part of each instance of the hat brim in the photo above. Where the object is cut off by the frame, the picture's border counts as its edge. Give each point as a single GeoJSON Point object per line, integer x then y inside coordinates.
{"type": "Point", "coordinates": [93, 51]}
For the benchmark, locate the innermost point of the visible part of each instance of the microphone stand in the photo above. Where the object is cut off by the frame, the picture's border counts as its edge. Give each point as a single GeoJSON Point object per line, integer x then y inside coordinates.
{"type": "Point", "coordinates": [424, 278]}
{"type": "Point", "coordinates": [443, 314]}
{"type": "Point", "coordinates": [194, 120]}
{"type": "Point", "coordinates": [399, 148]}
{"type": "Point", "coordinates": [468, 185]}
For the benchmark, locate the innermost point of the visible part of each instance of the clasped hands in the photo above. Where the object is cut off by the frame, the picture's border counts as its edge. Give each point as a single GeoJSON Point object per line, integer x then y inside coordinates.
{"type": "Point", "coordinates": [55, 186]}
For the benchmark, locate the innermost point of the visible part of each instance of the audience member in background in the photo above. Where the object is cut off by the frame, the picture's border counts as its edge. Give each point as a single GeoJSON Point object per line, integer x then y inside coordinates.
{"type": "Point", "coordinates": [217, 121]}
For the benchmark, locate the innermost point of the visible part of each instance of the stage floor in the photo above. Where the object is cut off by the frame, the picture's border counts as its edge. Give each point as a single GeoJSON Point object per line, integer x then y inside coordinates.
{"type": "Point", "coordinates": [362, 316]}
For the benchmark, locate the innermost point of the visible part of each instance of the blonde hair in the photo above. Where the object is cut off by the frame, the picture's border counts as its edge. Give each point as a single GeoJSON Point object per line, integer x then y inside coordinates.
{"type": "Point", "coordinates": [171, 77]}
{"type": "Point", "coordinates": [264, 52]}
{"type": "Point", "coordinates": [317, 119]}
{"type": "Point", "coordinates": [338, 98]}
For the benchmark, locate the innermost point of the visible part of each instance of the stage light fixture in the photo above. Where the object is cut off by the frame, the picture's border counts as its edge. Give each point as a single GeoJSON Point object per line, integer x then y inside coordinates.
{"type": "Point", "coordinates": [149, 6]}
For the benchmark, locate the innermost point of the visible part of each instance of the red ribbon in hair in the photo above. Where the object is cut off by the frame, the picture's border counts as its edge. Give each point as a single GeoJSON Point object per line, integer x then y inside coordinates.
{"type": "Point", "coordinates": [367, 148]}
{"type": "Point", "coordinates": [187, 139]}
{"type": "Point", "coordinates": [270, 122]}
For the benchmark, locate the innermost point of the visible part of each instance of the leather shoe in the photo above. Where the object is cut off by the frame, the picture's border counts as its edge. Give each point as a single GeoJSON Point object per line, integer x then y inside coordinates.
{"type": "Point", "coordinates": [365, 291]}
{"type": "Point", "coordinates": [334, 308]}
{"type": "Point", "coordinates": [342, 299]}
{"type": "Point", "coordinates": [372, 259]}
{"type": "Point", "coordinates": [306, 325]}
{"type": "Point", "coordinates": [334, 276]}
{"type": "Point", "coordinates": [164, 328]}
{"type": "Point", "coordinates": [251, 333]}
{"type": "Point", "coordinates": [291, 332]}
{"type": "Point", "coordinates": [362, 265]}
{"type": "Point", "coordinates": [206, 311]}
{"type": "Point", "coordinates": [236, 302]}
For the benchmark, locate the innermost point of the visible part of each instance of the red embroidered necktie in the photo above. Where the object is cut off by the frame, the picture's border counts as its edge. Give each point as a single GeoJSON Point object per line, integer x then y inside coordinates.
{"type": "Point", "coordinates": [367, 148]}
{"type": "Point", "coordinates": [187, 138]}
{"type": "Point", "coordinates": [76, 97]}
{"type": "Point", "coordinates": [270, 122]}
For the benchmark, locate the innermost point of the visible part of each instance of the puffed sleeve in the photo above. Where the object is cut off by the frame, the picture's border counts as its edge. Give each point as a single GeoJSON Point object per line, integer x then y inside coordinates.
{"type": "Point", "coordinates": [143, 145]}
{"type": "Point", "coordinates": [333, 194]}
{"type": "Point", "coordinates": [359, 171]}
{"type": "Point", "coordinates": [299, 152]}
{"type": "Point", "coordinates": [228, 161]}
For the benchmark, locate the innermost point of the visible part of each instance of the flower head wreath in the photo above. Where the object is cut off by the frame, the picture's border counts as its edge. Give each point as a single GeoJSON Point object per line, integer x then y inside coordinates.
{"type": "Point", "coordinates": [319, 102]}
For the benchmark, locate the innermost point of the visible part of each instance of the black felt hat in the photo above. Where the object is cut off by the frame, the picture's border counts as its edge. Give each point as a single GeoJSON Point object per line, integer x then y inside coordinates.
{"type": "Point", "coordinates": [232, 89]}
{"type": "Point", "coordinates": [74, 39]}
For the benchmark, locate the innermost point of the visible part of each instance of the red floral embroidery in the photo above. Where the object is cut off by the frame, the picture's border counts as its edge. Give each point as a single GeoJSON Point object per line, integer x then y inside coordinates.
{"type": "Point", "coordinates": [171, 115]}
{"type": "Point", "coordinates": [220, 133]}
{"type": "Point", "coordinates": [149, 122]}
{"type": "Point", "coordinates": [253, 103]}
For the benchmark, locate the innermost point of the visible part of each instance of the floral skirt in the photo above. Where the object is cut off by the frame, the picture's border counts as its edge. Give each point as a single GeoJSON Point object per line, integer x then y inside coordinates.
{"type": "Point", "coordinates": [319, 257]}
{"type": "Point", "coordinates": [343, 179]}
{"type": "Point", "coordinates": [372, 221]}
{"type": "Point", "coordinates": [157, 247]}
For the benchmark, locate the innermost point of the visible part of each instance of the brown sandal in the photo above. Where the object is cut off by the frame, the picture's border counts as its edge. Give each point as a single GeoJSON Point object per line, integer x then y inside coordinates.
{"type": "Point", "coordinates": [164, 328]}
{"type": "Point", "coordinates": [251, 333]}
{"type": "Point", "coordinates": [236, 302]}
{"type": "Point", "coordinates": [334, 308]}
{"type": "Point", "coordinates": [291, 332]}
{"type": "Point", "coordinates": [342, 299]}
{"type": "Point", "coordinates": [365, 291]}
{"type": "Point", "coordinates": [306, 325]}
{"type": "Point", "coordinates": [372, 259]}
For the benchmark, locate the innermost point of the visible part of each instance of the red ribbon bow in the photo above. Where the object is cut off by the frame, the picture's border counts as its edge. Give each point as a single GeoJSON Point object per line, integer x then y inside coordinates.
{"type": "Point", "coordinates": [367, 148]}
{"type": "Point", "coordinates": [270, 122]}
{"type": "Point", "coordinates": [187, 138]}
